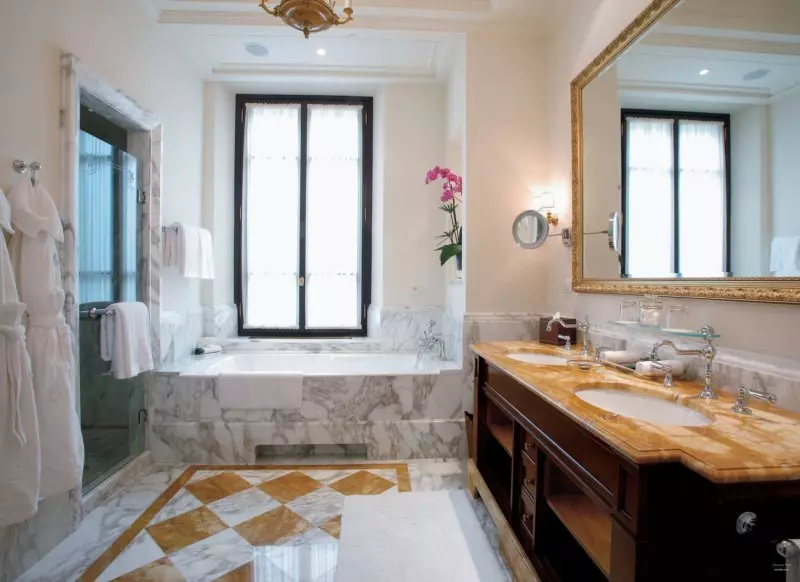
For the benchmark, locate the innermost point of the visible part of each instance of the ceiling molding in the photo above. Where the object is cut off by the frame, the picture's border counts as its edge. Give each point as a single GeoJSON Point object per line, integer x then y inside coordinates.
{"type": "Point", "coordinates": [724, 44]}
{"type": "Point", "coordinates": [678, 91]}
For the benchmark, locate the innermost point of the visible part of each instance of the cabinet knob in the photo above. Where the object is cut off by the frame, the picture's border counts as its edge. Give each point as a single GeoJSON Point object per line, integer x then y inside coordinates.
{"type": "Point", "coordinates": [746, 522]}
{"type": "Point", "coordinates": [527, 446]}
{"type": "Point", "coordinates": [527, 520]}
{"type": "Point", "coordinates": [526, 482]}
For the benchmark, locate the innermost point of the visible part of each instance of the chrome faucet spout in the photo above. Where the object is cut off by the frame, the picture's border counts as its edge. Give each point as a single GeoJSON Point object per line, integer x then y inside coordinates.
{"type": "Point", "coordinates": [707, 351]}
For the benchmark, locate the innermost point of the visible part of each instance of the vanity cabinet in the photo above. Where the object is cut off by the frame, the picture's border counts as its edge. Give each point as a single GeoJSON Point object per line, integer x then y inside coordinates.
{"type": "Point", "coordinates": [578, 510]}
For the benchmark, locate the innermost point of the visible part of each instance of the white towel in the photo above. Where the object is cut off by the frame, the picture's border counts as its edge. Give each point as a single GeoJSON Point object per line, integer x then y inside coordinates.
{"type": "Point", "coordinates": [191, 250]}
{"type": "Point", "coordinates": [648, 368]}
{"type": "Point", "coordinates": [622, 357]}
{"type": "Point", "coordinates": [125, 339]}
{"type": "Point", "coordinates": [785, 256]}
{"type": "Point", "coordinates": [259, 390]}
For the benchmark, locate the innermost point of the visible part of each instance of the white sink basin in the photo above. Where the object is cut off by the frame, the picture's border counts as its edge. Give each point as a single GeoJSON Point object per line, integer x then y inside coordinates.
{"type": "Point", "coordinates": [541, 359]}
{"type": "Point", "coordinates": [642, 407]}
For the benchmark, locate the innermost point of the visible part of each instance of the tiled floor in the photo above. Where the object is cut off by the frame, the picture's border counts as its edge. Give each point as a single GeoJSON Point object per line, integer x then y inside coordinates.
{"type": "Point", "coordinates": [232, 524]}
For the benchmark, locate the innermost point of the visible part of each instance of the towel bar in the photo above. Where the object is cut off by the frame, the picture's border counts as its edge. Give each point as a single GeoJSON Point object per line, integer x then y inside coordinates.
{"type": "Point", "coordinates": [95, 313]}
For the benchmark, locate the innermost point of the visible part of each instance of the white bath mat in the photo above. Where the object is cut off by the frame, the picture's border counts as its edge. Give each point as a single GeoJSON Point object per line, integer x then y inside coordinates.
{"type": "Point", "coordinates": [414, 537]}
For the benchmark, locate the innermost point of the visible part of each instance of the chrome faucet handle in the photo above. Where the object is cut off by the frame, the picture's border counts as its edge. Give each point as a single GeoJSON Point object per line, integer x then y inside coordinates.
{"type": "Point", "coordinates": [667, 369]}
{"type": "Point", "coordinates": [744, 393]}
{"type": "Point", "coordinates": [566, 338]}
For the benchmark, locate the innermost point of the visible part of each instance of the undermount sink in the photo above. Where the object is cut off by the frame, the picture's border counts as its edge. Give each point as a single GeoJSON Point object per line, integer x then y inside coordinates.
{"type": "Point", "coordinates": [642, 407]}
{"type": "Point", "coordinates": [541, 359]}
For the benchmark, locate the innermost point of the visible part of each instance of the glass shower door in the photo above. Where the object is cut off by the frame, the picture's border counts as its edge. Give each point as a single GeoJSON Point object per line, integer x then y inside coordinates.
{"type": "Point", "coordinates": [112, 422]}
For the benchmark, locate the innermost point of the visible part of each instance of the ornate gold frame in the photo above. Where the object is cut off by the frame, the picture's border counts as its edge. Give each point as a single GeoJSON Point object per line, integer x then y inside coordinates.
{"type": "Point", "coordinates": [774, 290]}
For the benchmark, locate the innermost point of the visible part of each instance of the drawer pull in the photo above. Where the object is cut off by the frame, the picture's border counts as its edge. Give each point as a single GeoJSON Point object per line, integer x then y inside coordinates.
{"type": "Point", "coordinates": [527, 520]}
{"type": "Point", "coordinates": [527, 446]}
{"type": "Point", "coordinates": [527, 482]}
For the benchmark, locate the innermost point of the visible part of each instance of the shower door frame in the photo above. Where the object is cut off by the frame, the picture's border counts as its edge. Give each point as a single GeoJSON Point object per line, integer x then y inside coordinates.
{"type": "Point", "coordinates": [82, 85]}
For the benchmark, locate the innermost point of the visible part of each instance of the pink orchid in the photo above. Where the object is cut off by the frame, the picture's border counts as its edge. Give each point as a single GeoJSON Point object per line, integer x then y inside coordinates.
{"type": "Point", "coordinates": [447, 196]}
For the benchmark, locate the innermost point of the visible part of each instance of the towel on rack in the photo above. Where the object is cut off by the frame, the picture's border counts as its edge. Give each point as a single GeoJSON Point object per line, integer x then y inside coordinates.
{"type": "Point", "coordinates": [189, 249]}
{"type": "Point", "coordinates": [677, 368]}
{"type": "Point", "coordinates": [125, 339]}
{"type": "Point", "coordinates": [785, 256]}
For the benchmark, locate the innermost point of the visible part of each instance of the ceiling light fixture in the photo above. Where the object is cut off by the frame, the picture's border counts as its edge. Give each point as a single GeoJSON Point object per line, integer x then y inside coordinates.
{"type": "Point", "coordinates": [322, 52]}
{"type": "Point", "coordinates": [705, 72]}
{"type": "Point", "coordinates": [310, 16]}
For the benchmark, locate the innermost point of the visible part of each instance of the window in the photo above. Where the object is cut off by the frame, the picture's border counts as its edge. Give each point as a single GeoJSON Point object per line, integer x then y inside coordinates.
{"type": "Point", "coordinates": [675, 194]}
{"type": "Point", "coordinates": [109, 214]}
{"type": "Point", "coordinates": [303, 200]}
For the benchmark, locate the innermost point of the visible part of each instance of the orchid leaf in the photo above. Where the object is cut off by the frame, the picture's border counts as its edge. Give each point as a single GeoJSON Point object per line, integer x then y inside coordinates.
{"type": "Point", "coordinates": [448, 252]}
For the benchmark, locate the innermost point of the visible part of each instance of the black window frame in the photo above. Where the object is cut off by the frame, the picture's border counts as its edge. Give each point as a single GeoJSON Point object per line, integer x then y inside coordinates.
{"type": "Point", "coordinates": [677, 117]}
{"type": "Point", "coordinates": [366, 206]}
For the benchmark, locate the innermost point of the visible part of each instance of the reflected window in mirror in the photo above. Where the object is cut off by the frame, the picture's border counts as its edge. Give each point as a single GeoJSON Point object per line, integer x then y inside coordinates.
{"type": "Point", "coordinates": [675, 194]}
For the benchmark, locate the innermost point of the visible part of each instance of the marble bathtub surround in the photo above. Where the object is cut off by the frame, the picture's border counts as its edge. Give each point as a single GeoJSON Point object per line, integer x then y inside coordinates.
{"type": "Point", "coordinates": [394, 417]}
{"type": "Point", "coordinates": [733, 448]}
{"type": "Point", "coordinates": [398, 328]}
{"type": "Point", "coordinates": [235, 510]}
{"type": "Point", "coordinates": [220, 321]}
{"type": "Point", "coordinates": [180, 333]}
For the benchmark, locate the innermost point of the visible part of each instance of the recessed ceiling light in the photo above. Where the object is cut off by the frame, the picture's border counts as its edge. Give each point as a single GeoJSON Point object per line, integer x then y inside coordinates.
{"type": "Point", "coordinates": [756, 75]}
{"type": "Point", "coordinates": [704, 72]}
{"type": "Point", "coordinates": [257, 50]}
{"type": "Point", "coordinates": [322, 52]}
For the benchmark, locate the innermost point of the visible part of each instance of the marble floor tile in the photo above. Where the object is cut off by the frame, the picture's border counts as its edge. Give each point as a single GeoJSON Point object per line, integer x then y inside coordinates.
{"type": "Point", "coordinates": [318, 506]}
{"type": "Point", "coordinates": [388, 474]}
{"type": "Point", "coordinates": [332, 526]}
{"type": "Point", "coordinates": [214, 556]}
{"type": "Point", "coordinates": [273, 528]}
{"type": "Point", "coordinates": [328, 476]}
{"type": "Point", "coordinates": [183, 502]}
{"type": "Point", "coordinates": [242, 506]}
{"type": "Point", "coordinates": [243, 573]}
{"type": "Point", "coordinates": [218, 487]}
{"type": "Point", "coordinates": [142, 551]}
{"type": "Point", "coordinates": [258, 477]}
{"type": "Point", "coordinates": [437, 475]}
{"type": "Point", "coordinates": [362, 483]}
{"type": "Point", "coordinates": [290, 486]}
{"type": "Point", "coordinates": [186, 529]}
{"type": "Point", "coordinates": [159, 571]}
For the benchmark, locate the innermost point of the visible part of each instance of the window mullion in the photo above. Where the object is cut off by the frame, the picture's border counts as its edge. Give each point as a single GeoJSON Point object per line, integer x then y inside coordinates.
{"type": "Point", "coordinates": [301, 288]}
{"type": "Point", "coordinates": [676, 170]}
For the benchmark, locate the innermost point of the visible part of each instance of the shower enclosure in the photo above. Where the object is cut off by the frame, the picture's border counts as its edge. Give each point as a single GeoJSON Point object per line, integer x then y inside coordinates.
{"type": "Point", "coordinates": [109, 225]}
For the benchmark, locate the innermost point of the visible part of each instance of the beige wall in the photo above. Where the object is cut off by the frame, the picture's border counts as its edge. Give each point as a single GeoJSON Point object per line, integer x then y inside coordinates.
{"type": "Point", "coordinates": [119, 41]}
{"type": "Point", "coordinates": [601, 172]}
{"type": "Point", "coordinates": [506, 161]}
{"type": "Point", "coordinates": [218, 208]}
{"type": "Point", "coordinates": [589, 28]}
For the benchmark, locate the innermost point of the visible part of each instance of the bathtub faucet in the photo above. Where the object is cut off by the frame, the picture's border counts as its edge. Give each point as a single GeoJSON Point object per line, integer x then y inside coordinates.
{"type": "Point", "coordinates": [429, 342]}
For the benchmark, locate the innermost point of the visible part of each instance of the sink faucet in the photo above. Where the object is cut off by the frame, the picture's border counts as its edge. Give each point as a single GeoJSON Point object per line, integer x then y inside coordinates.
{"type": "Point", "coordinates": [566, 338]}
{"type": "Point", "coordinates": [581, 326]}
{"type": "Point", "coordinates": [745, 393]}
{"type": "Point", "coordinates": [429, 341]}
{"type": "Point", "coordinates": [707, 351]}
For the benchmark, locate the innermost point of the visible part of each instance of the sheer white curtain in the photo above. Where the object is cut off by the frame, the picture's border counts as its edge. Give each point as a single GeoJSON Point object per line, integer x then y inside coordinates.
{"type": "Point", "coordinates": [702, 198]}
{"type": "Point", "coordinates": [333, 211]}
{"type": "Point", "coordinates": [650, 212]}
{"type": "Point", "coordinates": [272, 210]}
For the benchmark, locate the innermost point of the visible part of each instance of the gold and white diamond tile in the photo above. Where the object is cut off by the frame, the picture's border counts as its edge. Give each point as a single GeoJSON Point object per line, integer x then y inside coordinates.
{"type": "Point", "coordinates": [240, 524]}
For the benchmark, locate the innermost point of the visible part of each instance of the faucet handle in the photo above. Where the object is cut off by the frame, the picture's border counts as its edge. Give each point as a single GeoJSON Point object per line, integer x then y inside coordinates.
{"type": "Point", "coordinates": [740, 407]}
{"type": "Point", "coordinates": [567, 339]}
{"type": "Point", "coordinates": [598, 352]}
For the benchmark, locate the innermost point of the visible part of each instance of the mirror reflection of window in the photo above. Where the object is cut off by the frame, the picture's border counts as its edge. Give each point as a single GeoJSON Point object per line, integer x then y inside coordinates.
{"type": "Point", "coordinates": [675, 194]}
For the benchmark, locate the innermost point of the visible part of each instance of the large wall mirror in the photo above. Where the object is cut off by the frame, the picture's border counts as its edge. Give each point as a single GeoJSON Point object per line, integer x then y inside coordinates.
{"type": "Point", "coordinates": [687, 129]}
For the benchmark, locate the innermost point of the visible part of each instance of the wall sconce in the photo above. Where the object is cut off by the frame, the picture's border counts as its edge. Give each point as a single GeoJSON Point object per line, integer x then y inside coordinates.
{"type": "Point", "coordinates": [546, 203]}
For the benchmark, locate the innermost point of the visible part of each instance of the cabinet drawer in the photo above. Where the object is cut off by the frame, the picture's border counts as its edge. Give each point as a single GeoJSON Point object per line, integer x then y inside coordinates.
{"type": "Point", "coordinates": [529, 476]}
{"type": "Point", "coordinates": [527, 511]}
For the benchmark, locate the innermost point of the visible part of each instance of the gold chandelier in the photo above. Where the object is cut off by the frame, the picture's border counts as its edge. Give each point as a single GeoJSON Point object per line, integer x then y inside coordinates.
{"type": "Point", "coordinates": [310, 15]}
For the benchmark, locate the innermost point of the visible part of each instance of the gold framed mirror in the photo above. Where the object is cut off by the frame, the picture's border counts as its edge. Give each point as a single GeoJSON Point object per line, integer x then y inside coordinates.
{"type": "Point", "coordinates": [686, 126]}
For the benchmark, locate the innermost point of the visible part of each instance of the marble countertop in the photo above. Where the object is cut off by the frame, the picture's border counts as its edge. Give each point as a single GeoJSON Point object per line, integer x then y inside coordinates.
{"type": "Point", "coordinates": [764, 446]}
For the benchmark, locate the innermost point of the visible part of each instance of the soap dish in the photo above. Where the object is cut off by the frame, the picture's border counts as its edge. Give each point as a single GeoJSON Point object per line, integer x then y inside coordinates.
{"type": "Point", "coordinates": [584, 365]}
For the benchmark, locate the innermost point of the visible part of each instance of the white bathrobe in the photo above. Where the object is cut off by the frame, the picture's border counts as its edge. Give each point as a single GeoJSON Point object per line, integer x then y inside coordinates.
{"type": "Point", "coordinates": [19, 430]}
{"type": "Point", "coordinates": [36, 264]}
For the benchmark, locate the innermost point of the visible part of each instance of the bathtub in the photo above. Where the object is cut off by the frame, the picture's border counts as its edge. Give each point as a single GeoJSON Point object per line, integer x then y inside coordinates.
{"type": "Point", "coordinates": [321, 364]}
{"type": "Point", "coordinates": [384, 402]}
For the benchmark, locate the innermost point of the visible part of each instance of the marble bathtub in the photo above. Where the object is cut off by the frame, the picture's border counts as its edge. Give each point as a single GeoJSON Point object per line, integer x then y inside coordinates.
{"type": "Point", "coordinates": [382, 402]}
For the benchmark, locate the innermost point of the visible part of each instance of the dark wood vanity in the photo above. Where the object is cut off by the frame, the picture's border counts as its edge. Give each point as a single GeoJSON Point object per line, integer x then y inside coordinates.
{"type": "Point", "coordinates": [579, 510]}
